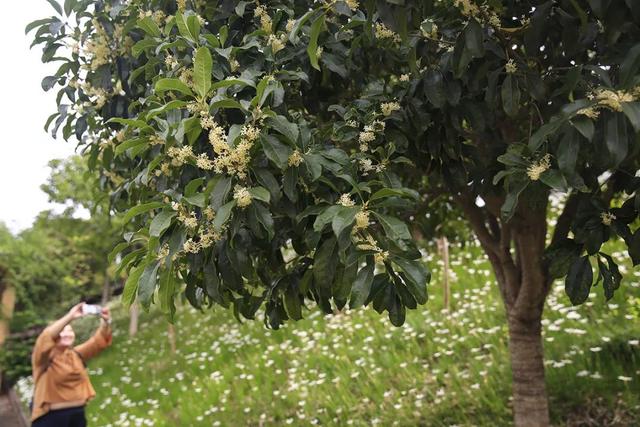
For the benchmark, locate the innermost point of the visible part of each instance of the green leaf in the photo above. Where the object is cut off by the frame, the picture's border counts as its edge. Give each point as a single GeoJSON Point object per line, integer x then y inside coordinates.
{"type": "Point", "coordinates": [223, 214]}
{"type": "Point", "coordinates": [560, 257]}
{"type": "Point", "coordinates": [616, 138]}
{"type": "Point", "coordinates": [289, 184]}
{"type": "Point", "coordinates": [232, 82]}
{"type": "Point", "coordinates": [227, 104]}
{"type": "Point", "coordinates": [292, 303]}
{"type": "Point", "coordinates": [630, 66]}
{"type": "Point", "coordinates": [397, 311]}
{"type": "Point", "coordinates": [313, 164]}
{"type": "Point", "coordinates": [434, 88]}
{"type": "Point", "coordinates": [137, 210]}
{"type": "Point", "coordinates": [285, 127]}
{"type": "Point", "coordinates": [184, 28]}
{"type": "Point", "coordinates": [275, 150]}
{"type": "Point", "coordinates": [68, 6]}
{"type": "Point", "coordinates": [293, 36]}
{"type": "Point", "coordinates": [395, 192]}
{"type": "Point", "coordinates": [131, 285]}
{"type": "Point", "coordinates": [312, 49]}
{"type": "Point", "coordinates": [142, 45]}
{"type": "Point", "coordinates": [516, 185]}
{"type": "Point", "coordinates": [129, 143]}
{"type": "Point", "coordinates": [554, 179]}
{"type": "Point", "coordinates": [568, 153]}
{"type": "Point", "coordinates": [584, 125]}
{"type": "Point", "coordinates": [578, 282]}
{"type": "Point", "coordinates": [325, 217]}
{"type": "Point", "coordinates": [147, 283]}
{"type": "Point", "coordinates": [129, 258]}
{"type": "Point", "coordinates": [164, 85]}
{"type": "Point", "coordinates": [220, 192]}
{"type": "Point", "coordinates": [56, 6]}
{"type": "Point", "coordinates": [161, 222]}
{"type": "Point", "coordinates": [260, 193]}
{"type": "Point", "coordinates": [474, 39]}
{"type": "Point", "coordinates": [149, 26]}
{"type": "Point", "coordinates": [223, 32]}
{"type": "Point", "coordinates": [416, 277]}
{"type": "Point", "coordinates": [202, 66]}
{"type": "Point", "coordinates": [324, 266]}
{"type": "Point", "coordinates": [362, 285]}
{"type": "Point", "coordinates": [39, 23]}
{"type": "Point", "coordinates": [264, 218]}
{"type": "Point", "coordinates": [510, 96]}
{"type": "Point", "coordinates": [556, 122]}
{"type": "Point", "coordinates": [193, 24]}
{"type": "Point", "coordinates": [193, 185]}
{"type": "Point", "coordinates": [633, 247]}
{"type": "Point", "coordinates": [343, 219]}
{"type": "Point", "coordinates": [196, 200]}
{"type": "Point", "coordinates": [611, 276]}
{"type": "Point", "coordinates": [166, 290]}
{"type": "Point", "coordinates": [116, 250]}
{"type": "Point", "coordinates": [132, 123]}
{"type": "Point", "coordinates": [632, 111]}
{"type": "Point", "coordinates": [394, 228]}
{"type": "Point", "coordinates": [171, 105]}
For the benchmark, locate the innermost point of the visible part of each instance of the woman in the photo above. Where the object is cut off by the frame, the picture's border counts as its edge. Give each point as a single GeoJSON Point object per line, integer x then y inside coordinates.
{"type": "Point", "coordinates": [61, 383]}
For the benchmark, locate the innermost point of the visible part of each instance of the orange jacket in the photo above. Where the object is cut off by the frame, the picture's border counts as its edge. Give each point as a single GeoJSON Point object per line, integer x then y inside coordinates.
{"type": "Point", "coordinates": [60, 375]}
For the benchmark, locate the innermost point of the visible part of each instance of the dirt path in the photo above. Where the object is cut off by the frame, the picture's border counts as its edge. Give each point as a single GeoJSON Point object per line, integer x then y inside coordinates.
{"type": "Point", "coordinates": [10, 411]}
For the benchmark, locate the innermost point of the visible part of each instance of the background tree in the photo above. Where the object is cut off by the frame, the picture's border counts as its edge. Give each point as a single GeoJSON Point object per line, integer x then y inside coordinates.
{"type": "Point", "coordinates": [72, 184]}
{"type": "Point", "coordinates": [234, 130]}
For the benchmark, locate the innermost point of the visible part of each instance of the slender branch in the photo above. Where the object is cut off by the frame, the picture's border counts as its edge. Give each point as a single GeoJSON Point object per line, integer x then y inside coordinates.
{"type": "Point", "coordinates": [476, 218]}
{"type": "Point", "coordinates": [490, 244]}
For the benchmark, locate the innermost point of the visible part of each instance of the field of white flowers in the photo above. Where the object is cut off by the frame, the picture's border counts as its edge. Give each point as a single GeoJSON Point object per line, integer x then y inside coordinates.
{"type": "Point", "coordinates": [354, 368]}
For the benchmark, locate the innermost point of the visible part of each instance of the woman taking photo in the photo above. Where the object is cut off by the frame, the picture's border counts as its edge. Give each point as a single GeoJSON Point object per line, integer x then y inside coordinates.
{"type": "Point", "coordinates": [61, 382]}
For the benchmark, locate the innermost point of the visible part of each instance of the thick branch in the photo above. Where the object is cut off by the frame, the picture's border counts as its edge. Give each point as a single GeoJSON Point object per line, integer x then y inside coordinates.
{"type": "Point", "coordinates": [563, 225]}
{"type": "Point", "coordinates": [511, 271]}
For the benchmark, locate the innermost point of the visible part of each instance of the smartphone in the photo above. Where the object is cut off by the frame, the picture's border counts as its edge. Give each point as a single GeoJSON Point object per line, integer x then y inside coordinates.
{"type": "Point", "coordinates": [91, 309]}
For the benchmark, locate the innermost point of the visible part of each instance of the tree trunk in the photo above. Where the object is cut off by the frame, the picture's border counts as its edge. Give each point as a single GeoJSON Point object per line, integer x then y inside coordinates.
{"type": "Point", "coordinates": [530, 403]}
{"type": "Point", "coordinates": [443, 245]}
{"type": "Point", "coordinates": [133, 320]}
{"type": "Point", "coordinates": [171, 334]}
{"type": "Point", "coordinates": [515, 249]}
{"type": "Point", "coordinates": [7, 303]}
{"type": "Point", "coordinates": [106, 289]}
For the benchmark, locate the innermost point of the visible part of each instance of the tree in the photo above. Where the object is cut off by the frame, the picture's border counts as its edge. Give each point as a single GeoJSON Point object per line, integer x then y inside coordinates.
{"type": "Point", "coordinates": [73, 184]}
{"type": "Point", "coordinates": [237, 136]}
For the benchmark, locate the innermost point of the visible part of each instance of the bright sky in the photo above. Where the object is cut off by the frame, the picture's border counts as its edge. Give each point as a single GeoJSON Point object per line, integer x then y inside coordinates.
{"type": "Point", "coordinates": [25, 148]}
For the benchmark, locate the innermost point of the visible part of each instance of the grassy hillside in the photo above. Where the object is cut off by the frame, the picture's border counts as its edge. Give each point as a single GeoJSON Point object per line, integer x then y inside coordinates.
{"type": "Point", "coordinates": [354, 368]}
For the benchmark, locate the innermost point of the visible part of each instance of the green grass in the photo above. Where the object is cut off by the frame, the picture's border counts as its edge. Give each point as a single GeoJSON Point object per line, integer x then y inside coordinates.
{"type": "Point", "coordinates": [354, 368]}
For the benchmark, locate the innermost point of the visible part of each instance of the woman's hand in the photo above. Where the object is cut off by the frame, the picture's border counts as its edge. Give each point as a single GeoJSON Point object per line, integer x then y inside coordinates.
{"type": "Point", "coordinates": [56, 327]}
{"type": "Point", "coordinates": [106, 315]}
{"type": "Point", "coordinates": [76, 311]}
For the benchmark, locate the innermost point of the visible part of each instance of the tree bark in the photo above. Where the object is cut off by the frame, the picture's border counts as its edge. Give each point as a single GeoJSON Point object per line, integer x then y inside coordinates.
{"type": "Point", "coordinates": [530, 402]}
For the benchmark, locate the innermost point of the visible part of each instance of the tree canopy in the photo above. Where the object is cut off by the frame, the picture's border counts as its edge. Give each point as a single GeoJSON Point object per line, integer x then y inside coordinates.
{"type": "Point", "coordinates": [272, 153]}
